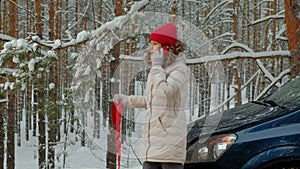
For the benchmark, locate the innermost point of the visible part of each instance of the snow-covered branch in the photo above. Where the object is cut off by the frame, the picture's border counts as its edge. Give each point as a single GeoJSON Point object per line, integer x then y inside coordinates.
{"type": "Point", "coordinates": [3, 100]}
{"type": "Point", "coordinates": [280, 35]}
{"type": "Point", "coordinates": [277, 16]}
{"type": "Point", "coordinates": [85, 11]}
{"type": "Point", "coordinates": [273, 82]}
{"type": "Point", "coordinates": [226, 34]}
{"type": "Point", "coordinates": [237, 45]}
{"type": "Point", "coordinates": [85, 36]}
{"type": "Point", "coordinates": [229, 56]}
{"type": "Point", "coordinates": [6, 37]}
{"type": "Point", "coordinates": [237, 55]}
{"type": "Point", "coordinates": [261, 2]}
{"type": "Point", "coordinates": [220, 5]}
{"type": "Point", "coordinates": [138, 5]}
{"type": "Point", "coordinates": [216, 109]}
{"type": "Point", "coordinates": [251, 54]}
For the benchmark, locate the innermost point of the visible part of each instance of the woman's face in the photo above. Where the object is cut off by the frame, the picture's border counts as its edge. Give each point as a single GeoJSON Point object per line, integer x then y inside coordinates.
{"type": "Point", "coordinates": [154, 46]}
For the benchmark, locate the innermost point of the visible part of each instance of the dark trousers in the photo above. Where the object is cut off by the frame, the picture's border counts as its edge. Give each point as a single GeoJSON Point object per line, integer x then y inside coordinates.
{"type": "Point", "coordinates": [154, 165]}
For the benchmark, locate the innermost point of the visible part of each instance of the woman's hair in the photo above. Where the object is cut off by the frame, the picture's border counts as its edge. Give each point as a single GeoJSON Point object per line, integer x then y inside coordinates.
{"type": "Point", "coordinates": [177, 48]}
{"type": "Point", "coordinates": [173, 52]}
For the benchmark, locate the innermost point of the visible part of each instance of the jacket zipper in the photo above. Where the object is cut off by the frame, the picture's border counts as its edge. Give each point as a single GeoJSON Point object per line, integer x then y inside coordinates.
{"type": "Point", "coordinates": [149, 120]}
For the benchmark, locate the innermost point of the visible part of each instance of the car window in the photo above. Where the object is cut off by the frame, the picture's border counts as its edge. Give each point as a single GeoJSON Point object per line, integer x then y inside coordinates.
{"type": "Point", "coordinates": [287, 96]}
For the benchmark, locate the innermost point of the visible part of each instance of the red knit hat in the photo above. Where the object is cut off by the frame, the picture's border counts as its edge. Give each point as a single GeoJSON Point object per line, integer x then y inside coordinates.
{"type": "Point", "coordinates": [166, 35]}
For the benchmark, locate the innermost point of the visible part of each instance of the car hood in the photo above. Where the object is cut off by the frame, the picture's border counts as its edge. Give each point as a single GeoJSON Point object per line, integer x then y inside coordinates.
{"type": "Point", "coordinates": [233, 119]}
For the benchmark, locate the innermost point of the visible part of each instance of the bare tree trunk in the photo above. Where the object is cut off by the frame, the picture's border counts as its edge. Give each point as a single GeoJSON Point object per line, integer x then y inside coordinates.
{"type": "Point", "coordinates": [38, 10]}
{"type": "Point", "coordinates": [53, 115]}
{"type": "Point", "coordinates": [18, 117]}
{"type": "Point", "coordinates": [51, 19]}
{"type": "Point", "coordinates": [39, 93]}
{"type": "Point", "coordinates": [255, 27]}
{"type": "Point", "coordinates": [52, 110]}
{"type": "Point", "coordinates": [58, 20]}
{"type": "Point", "coordinates": [42, 131]}
{"type": "Point", "coordinates": [11, 132]}
{"type": "Point", "coordinates": [100, 13]}
{"type": "Point", "coordinates": [29, 106]}
{"type": "Point", "coordinates": [34, 109]}
{"type": "Point", "coordinates": [59, 66]}
{"type": "Point", "coordinates": [236, 70]}
{"type": "Point", "coordinates": [1, 27]}
{"type": "Point", "coordinates": [97, 119]}
{"type": "Point", "coordinates": [13, 20]}
{"type": "Point", "coordinates": [53, 125]}
{"type": "Point", "coordinates": [86, 3]}
{"type": "Point", "coordinates": [274, 27]}
{"type": "Point", "coordinates": [293, 33]}
{"type": "Point", "coordinates": [174, 10]}
{"type": "Point", "coordinates": [2, 133]}
{"type": "Point", "coordinates": [40, 96]}
{"type": "Point", "coordinates": [111, 149]}
{"type": "Point", "coordinates": [106, 91]}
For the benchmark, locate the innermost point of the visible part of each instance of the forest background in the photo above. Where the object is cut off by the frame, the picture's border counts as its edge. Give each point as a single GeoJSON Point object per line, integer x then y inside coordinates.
{"type": "Point", "coordinates": [47, 46]}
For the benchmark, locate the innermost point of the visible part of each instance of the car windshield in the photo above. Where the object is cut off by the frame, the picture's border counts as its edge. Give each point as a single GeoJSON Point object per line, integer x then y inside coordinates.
{"type": "Point", "coordinates": [287, 96]}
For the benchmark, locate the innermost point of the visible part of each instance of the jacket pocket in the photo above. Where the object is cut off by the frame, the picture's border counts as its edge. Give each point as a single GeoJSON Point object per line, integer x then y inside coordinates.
{"type": "Point", "coordinates": [162, 125]}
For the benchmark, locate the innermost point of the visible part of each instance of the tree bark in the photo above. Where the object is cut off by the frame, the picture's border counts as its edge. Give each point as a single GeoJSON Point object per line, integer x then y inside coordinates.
{"type": "Point", "coordinates": [111, 149]}
{"type": "Point", "coordinates": [52, 110]}
{"type": "Point", "coordinates": [236, 71]}
{"type": "Point", "coordinates": [100, 13]}
{"type": "Point", "coordinates": [42, 136]}
{"type": "Point", "coordinates": [41, 123]}
{"type": "Point", "coordinates": [38, 10]}
{"type": "Point", "coordinates": [11, 132]}
{"type": "Point", "coordinates": [1, 28]}
{"type": "Point", "coordinates": [13, 20]}
{"type": "Point", "coordinates": [2, 133]}
{"type": "Point", "coordinates": [51, 19]}
{"type": "Point", "coordinates": [293, 34]}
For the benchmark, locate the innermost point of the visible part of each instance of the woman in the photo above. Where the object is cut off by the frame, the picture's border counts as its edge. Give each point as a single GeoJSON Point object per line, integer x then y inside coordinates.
{"type": "Point", "coordinates": [164, 129]}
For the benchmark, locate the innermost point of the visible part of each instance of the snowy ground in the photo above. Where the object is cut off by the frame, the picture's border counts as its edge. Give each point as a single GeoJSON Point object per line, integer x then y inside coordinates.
{"type": "Point", "coordinates": [92, 156]}
{"type": "Point", "coordinates": [78, 158]}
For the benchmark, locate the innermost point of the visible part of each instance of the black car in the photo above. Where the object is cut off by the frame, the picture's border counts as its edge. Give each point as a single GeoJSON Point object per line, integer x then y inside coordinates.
{"type": "Point", "coordinates": [262, 134]}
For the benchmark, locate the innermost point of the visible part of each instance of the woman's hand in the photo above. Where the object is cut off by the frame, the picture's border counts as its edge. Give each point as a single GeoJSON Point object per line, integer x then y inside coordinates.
{"type": "Point", "coordinates": [122, 98]}
{"type": "Point", "coordinates": [157, 58]}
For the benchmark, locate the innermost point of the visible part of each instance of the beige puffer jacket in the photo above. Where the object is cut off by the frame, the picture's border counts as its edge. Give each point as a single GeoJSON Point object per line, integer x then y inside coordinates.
{"type": "Point", "coordinates": [164, 128]}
